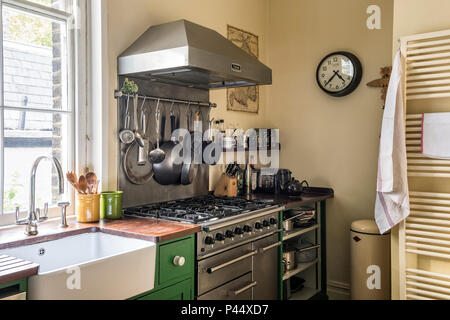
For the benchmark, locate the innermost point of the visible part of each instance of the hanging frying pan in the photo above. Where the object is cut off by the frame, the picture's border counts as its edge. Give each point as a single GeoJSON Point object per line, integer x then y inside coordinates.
{"type": "Point", "coordinates": [168, 172]}
{"type": "Point", "coordinates": [189, 169]}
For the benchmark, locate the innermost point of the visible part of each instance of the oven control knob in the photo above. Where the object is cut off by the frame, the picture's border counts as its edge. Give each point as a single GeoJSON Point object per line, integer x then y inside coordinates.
{"type": "Point", "coordinates": [238, 231]}
{"type": "Point", "coordinates": [266, 224]}
{"type": "Point", "coordinates": [229, 234]}
{"type": "Point", "coordinates": [258, 226]}
{"type": "Point", "coordinates": [248, 229]}
{"type": "Point", "coordinates": [273, 221]}
{"type": "Point", "coordinates": [220, 237]}
{"type": "Point", "coordinates": [209, 241]}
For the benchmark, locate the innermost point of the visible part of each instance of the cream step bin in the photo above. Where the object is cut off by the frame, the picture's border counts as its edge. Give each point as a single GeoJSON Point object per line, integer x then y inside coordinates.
{"type": "Point", "coordinates": [370, 267]}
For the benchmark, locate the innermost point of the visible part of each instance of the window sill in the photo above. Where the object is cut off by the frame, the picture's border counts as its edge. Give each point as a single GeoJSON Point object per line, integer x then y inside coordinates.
{"type": "Point", "coordinates": [9, 220]}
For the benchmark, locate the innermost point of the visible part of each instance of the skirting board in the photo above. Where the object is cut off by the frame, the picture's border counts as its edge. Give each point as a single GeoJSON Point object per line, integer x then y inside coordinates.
{"type": "Point", "coordinates": [338, 290]}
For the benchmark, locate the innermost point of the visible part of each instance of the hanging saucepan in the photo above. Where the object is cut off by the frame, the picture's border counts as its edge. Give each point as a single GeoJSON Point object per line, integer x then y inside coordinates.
{"type": "Point", "coordinates": [168, 172]}
{"type": "Point", "coordinates": [189, 169]}
{"type": "Point", "coordinates": [174, 122]}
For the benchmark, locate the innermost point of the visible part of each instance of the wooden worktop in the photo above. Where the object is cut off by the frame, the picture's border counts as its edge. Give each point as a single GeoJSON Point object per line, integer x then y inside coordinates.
{"type": "Point", "coordinates": [12, 269]}
{"type": "Point", "coordinates": [315, 195]}
{"type": "Point", "coordinates": [139, 228]}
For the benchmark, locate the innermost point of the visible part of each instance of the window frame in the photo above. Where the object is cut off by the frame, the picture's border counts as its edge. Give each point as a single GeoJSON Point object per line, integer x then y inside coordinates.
{"type": "Point", "coordinates": [76, 88]}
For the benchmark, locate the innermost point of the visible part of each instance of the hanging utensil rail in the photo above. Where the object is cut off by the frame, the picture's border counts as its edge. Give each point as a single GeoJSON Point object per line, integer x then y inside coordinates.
{"type": "Point", "coordinates": [118, 94]}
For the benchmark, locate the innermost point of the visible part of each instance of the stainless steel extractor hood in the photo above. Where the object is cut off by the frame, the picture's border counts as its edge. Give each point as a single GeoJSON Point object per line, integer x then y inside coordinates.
{"type": "Point", "coordinates": [187, 54]}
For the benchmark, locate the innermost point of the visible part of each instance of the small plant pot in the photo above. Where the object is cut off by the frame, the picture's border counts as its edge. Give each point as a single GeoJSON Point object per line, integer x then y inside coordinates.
{"type": "Point", "coordinates": [88, 208]}
{"type": "Point", "coordinates": [111, 205]}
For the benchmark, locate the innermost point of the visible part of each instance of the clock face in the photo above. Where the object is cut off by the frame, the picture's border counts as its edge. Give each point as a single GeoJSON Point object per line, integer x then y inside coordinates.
{"type": "Point", "coordinates": [339, 74]}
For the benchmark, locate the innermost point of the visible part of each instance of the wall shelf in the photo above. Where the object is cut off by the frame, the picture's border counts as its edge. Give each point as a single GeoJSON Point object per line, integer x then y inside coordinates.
{"type": "Point", "coordinates": [298, 232]}
{"type": "Point", "coordinates": [304, 294]}
{"type": "Point", "coordinates": [314, 272]}
{"type": "Point", "coordinates": [300, 268]}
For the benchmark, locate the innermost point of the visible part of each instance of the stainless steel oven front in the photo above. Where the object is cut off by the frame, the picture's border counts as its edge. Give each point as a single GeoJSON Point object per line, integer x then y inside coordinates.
{"type": "Point", "coordinates": [233, 266]}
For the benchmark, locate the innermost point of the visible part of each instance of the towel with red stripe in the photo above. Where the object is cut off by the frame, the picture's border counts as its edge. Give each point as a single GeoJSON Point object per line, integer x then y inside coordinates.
{"type": "Point", "coordinates": [392, 201]}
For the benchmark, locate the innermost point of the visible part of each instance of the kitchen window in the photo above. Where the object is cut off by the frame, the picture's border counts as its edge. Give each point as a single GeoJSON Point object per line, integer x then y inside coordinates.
{"type": "Point", "coordinates": [37, 97]}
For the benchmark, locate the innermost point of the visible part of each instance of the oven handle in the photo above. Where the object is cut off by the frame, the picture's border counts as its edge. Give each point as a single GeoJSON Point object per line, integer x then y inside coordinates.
{"type": "Point", "coordinates": [247, 287]}
{"type": "Point", "coordinates": [275, 245]}
{"type": "Point", "coordinates": [226, 264]}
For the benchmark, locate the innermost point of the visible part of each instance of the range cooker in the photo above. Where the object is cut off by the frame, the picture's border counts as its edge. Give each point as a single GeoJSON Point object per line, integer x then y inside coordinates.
{"type": "Point", "coordinates": [236, 249]}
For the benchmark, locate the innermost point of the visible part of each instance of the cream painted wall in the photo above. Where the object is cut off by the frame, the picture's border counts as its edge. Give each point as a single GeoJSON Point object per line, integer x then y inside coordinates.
{"type": "Point", "coordinates": [329, 141]}
{"type": "Point", "coordinates": [419, 16]}
{"type": "Point", "coordinates": [415, 17]}
{"type": "Point", "coordinates": [127, 20]}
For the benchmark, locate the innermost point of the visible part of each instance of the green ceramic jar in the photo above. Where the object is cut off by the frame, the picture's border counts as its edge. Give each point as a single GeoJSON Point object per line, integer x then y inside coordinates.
{"type": "Point", "coordinates": [111, 205]}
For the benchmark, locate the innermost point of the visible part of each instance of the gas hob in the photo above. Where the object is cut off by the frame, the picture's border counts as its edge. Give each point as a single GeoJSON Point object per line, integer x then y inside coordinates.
{"type": "Point", "coordinates": [226, 222]}
{"type": "Point", "coordinates": [198, 210]}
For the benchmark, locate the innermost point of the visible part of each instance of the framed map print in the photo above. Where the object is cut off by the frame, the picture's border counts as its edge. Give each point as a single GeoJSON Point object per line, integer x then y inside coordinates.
{"type": "Point", "coordinates": [244, 99]}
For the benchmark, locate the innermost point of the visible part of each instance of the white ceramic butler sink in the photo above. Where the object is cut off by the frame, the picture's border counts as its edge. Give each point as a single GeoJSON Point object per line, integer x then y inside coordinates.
{"type": "Point", "coordinates": [89, 266]}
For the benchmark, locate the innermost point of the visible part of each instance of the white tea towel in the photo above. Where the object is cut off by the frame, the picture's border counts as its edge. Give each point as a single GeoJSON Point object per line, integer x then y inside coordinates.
{"type": "Point", "coordinates": [392, 202]}
{"type": "Point", "coordinates": [436, 135]}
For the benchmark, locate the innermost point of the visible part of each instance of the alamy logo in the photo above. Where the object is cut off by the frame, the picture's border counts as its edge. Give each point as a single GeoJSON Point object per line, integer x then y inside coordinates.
{"type": "Point", "coordinates": [374, 20]}
{"type": "Point", "coordinates": [74, 280]}
{"type": "Point", "coordinates": [374, 281]}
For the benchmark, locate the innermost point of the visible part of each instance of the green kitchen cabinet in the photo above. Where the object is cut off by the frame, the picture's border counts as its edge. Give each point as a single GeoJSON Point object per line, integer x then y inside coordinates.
{"type": "Point", "coordinates": [15, 290]}
{"type": "Point", "coordinates": [173, 281]}
{"type": "Point", "coordinates": [179, 291]}
{"type": "Point", "coordinates": [168, 270]}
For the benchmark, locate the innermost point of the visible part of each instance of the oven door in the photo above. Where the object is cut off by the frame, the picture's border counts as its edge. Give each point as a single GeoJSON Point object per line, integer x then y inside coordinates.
{"type": "Point", "coordinates": [224, 267]}
{"type": "Point", "coordinates": [239, 289]}
{"type": "Point", "coordinates": [266, 268]}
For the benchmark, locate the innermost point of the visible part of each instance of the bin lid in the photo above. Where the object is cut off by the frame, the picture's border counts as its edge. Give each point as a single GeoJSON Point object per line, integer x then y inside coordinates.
{"type": "Point", "coordinates": [366, 226]}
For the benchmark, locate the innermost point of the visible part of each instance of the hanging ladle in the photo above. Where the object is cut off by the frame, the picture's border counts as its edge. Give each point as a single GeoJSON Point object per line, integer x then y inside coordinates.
{"type": "Point", "coordinates": [126, 135]}
{"type": "Point", "coordinates": [157, 155]}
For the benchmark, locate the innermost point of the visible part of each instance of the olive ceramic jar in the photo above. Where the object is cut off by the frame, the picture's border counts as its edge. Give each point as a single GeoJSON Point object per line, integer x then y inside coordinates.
{"type": "Point", "coordinates": [111, 205]}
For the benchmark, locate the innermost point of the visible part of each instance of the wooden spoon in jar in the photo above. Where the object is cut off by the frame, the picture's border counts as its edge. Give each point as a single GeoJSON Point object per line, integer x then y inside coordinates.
{"type": "Point", "coordinates": [82, 183]}
{"type": "Point", "coordinates": [91, 179]}
{"type": "Point", "coordinates": [73, 180]}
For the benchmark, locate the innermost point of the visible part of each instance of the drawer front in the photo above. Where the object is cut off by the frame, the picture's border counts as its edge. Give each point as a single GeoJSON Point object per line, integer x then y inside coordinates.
{"type": "Point", "coordinates": [217, 270]}
{"type": "Point", "coordinates": [239, 289]}
{"type": "Point", "coordinates": [168, 270]}
{"type": "Point", "coordinates": [266, 269]}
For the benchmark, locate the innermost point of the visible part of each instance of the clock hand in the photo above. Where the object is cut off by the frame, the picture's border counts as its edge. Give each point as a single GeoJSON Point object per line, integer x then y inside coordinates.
{"type": "Point", "coordinates": [330, 79]}
{"type": "Point", "coordinates": [339, 76]}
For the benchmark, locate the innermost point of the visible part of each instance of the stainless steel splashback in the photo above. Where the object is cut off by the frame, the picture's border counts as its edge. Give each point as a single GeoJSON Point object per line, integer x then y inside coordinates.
{"type": "Point", "coordinates": [152, 192]}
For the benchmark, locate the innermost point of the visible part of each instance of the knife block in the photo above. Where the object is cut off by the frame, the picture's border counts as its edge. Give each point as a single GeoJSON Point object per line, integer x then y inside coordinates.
{"type": "Point", "coordinates": [226, 187]}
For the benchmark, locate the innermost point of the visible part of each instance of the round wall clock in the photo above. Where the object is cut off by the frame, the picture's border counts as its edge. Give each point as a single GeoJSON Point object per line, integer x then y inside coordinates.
{"type": "Point", "coordinates": [339, 74]}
